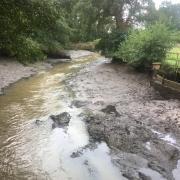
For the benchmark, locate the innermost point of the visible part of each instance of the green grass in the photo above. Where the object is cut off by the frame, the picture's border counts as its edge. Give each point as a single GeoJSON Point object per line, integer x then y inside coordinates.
{"type": "Point", "coordinates": [173, 56]}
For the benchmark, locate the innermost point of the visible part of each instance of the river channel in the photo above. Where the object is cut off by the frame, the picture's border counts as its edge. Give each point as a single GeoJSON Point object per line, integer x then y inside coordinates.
{"type": "Point", "coordinates": [30, 150]}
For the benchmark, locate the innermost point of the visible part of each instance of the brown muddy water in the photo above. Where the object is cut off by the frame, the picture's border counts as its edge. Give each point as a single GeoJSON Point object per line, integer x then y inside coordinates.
{"type": "Point", "coordinates": [32, 151]}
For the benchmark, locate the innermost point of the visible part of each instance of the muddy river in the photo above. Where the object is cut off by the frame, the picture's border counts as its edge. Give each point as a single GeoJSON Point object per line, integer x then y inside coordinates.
{"type": "Point", "coordinates": [110, 106]}
{"type": "Point", "coordinates": [36, 151]}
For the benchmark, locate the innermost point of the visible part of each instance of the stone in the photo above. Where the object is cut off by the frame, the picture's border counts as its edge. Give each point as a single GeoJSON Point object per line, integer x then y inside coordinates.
{"type": "Point", "coordinates": [110, 109]}
{"type": "Point", "coordinates": [61, 120]}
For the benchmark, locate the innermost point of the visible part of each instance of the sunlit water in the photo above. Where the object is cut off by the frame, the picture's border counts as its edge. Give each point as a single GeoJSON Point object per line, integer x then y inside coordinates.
{"type": "Point", "coordinates": [31, 151]}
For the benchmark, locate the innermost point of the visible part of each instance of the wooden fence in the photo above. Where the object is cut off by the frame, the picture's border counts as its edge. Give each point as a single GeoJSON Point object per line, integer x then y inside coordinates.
{"type": "Point", "coordinates": [173, 59]}
{"type": "Point", "coordinates": [167, 88]}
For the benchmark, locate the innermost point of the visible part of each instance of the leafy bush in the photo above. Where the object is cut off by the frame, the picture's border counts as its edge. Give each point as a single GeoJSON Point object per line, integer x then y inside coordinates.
{"type": "Point", "coordinates": [145, 46]}
{"type": "Point", "coordinates": [176, 36]}
{"type": "Point", "coordinates": [110, 42]}
{"type": "Point", "coordinates": [27, 50]}
{"type": "Point", "coordinates": [29, 28]}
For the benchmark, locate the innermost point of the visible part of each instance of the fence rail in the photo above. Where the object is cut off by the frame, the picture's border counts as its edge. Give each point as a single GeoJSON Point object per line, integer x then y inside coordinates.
{"type": "Point", "coordinates": [169, 89]}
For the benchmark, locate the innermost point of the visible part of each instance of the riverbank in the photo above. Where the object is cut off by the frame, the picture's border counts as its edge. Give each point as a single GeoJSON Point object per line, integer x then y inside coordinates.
{"type": "Point", "coordinates": [122, 109]}
{"type": "Point", "coordinates": [116, 104]}
{"type": "Point", "coordinates": [11, 70]}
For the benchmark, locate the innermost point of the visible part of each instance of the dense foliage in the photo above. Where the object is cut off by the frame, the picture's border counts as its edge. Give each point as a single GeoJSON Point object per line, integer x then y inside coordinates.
{"type": "Point", "coordinates": [110, 42]}
{"type": "Point", "coordinates": [145, 46]}
{"type": "Point", "coordinates": [92, 18]}
{"type": "Point", "coordinates": [30, 28]}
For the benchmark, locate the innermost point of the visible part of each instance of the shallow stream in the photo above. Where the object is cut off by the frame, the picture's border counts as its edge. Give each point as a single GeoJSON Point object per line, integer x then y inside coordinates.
{"type": "Point", "coordinates": [36, 151]}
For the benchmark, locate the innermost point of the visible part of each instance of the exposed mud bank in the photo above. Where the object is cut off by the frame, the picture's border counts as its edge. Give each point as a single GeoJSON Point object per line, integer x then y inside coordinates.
{"type": "Point", "coordinates": [122, 109]}
{"type": "Point", "coordinates": [12, 71]}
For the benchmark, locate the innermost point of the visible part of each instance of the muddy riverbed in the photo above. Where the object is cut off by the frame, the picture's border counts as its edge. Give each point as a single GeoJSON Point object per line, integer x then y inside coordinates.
{"type": "Point", "coordinates": [88, 119]}
{"type": "Point", "coordinates": [31, 147]}
{"type": "Point", "coordinates": [122, 109]}
{"type": "Point", "coordinates": [11, 70]}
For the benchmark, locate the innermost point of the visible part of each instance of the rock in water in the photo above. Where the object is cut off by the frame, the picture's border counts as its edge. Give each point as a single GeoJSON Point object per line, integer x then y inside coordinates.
{"type": "Point", "coordinates": [79, 104]}
{"type": "Point", "coordinates": [110, 110]}
{"type": "Point", "coordinates": [38, 122]}
{"type": "Point", "coordinates": [60, 120]}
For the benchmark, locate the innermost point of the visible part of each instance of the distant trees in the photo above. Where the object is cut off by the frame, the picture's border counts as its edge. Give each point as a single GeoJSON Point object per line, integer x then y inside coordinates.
{"type": "Point", "coordinates": [110, 42]}
{"type": "Point", "coordinates": [31, 29]}
{"type": "Point", "coordinates": [169, 14]}
{"type": "Point", "coordinates": [108, 20]}
{"type": "Point", "coordinates": [97, 17]}
{"type": "Point", "coordinates": [143, 35]}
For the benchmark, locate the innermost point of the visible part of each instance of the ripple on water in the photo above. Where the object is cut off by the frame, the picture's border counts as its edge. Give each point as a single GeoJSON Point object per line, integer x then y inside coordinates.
{"type": "Point", "coordinates": [38, 152]}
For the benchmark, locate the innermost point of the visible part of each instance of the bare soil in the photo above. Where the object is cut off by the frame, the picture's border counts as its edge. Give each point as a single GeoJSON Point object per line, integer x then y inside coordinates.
{"type": "Point", "coordinates": [121, 108]}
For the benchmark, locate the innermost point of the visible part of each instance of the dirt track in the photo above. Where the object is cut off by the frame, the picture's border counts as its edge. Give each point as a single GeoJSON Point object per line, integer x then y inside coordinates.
{"type": "Point", "coordinates": [142, 128]}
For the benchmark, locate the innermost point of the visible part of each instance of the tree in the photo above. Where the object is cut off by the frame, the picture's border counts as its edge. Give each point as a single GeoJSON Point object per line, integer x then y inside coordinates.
{"type": "Point", "coordinates": [110, 42]}
{"type": "Point", "coordinates": [29, 28]}
{"type": "Point", "coordinates": [93, 18]}
{"type": "Point", "coordinates": [170, 15]}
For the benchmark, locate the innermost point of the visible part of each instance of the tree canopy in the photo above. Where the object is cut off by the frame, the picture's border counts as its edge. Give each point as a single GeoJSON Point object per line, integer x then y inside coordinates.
{"type": "Point", "coordinates": [170, 14]}
{"type": "Point", "coordinates": [30, 29]}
